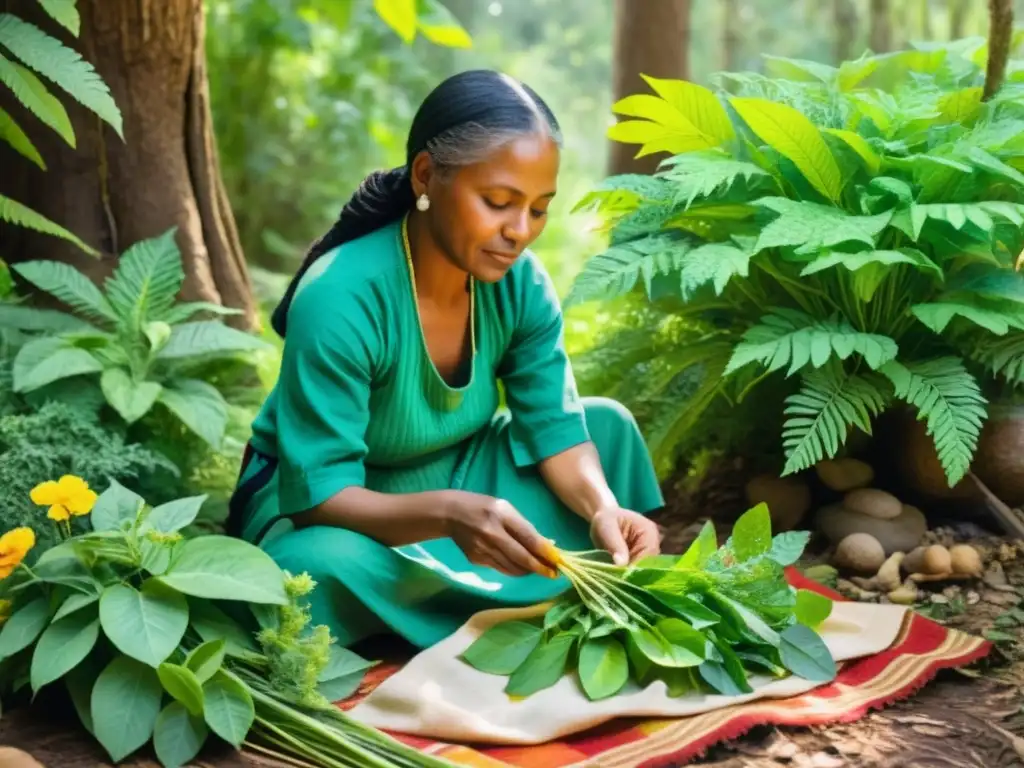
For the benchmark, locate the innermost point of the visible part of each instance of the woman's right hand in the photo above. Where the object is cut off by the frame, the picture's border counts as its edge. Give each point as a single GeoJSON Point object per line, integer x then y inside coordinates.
{"type": "Point", "coordinates": [492, 533]}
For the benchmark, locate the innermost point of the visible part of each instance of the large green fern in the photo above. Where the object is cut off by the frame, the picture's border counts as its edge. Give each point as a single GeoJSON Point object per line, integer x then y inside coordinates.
{"type": "Point", "coordinates": [25, 47]}
{"type": "Point", "coordinates": [858, 225]}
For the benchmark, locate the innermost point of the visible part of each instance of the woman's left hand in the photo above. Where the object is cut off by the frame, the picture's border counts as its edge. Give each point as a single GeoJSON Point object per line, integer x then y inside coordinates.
{"type": "Point", "coordinates": [627, 535]}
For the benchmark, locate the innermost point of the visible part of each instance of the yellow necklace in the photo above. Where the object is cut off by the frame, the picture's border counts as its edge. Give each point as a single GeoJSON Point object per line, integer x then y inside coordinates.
{"type": "Point", "coordinates": [415, 295]}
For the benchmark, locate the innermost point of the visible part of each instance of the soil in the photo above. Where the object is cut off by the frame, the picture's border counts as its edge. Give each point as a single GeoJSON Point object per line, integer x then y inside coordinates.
{"type": "Point", "coordinates": [963, 719]}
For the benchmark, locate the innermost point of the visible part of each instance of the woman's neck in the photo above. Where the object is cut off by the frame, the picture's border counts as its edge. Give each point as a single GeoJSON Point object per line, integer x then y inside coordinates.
{"type": "Point", "coordinates": [438, 279]}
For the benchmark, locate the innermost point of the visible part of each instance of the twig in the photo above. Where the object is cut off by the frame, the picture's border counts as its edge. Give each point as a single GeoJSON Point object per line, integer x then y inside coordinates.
{"type": "Point", "coordinates": [1005, 516]}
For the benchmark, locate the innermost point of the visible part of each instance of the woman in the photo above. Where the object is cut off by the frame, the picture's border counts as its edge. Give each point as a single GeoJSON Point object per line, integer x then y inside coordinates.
{"type": "Point", "coordinates": [381, 463]}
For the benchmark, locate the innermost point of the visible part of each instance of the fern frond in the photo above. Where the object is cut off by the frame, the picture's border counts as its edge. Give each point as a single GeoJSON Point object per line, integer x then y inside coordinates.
{"type": "Point", "coordinates": [11, 132]}
{"type": "Point", "coordinates": [947, 395]}
{"type": "Point", "coordinates": [829, 401]}
{"type": "Point", "coordinates": [16, 213]}
{"type": "Point", "coordinates": [36, 98]}
{"type": "Point", "coordinates": [704, 174]}
{"type": "Point", "coordinates": [959, 215]}
{"type": "Point", "coordinates": [1002, 357]}
{"type": "Point", "coordinates": [624, 192]}
{"type": "Point", "coordinates": [616, 271]}
{"type": "Point", "coordinates": [811, 227]}
{"type": "Point", "coordinates": [147, 280]}
{"type": "Point", "coordinates": [69, 285]}
{"type": "Point", "coordinates": [715, 263]}
{"type": "Point", "coordinates": [997, 319]}
{"type": "Point", "coordinates": [794, 338]}
{"type": "Point", "coordinates": [55, 61]}
{"type": "Point", "coordinates": [64, 13]}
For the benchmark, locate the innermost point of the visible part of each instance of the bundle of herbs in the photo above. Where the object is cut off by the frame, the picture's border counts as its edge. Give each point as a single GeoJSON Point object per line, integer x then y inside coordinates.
{"type": "Point", "coordinates": [160, 637]}
{"type": "Point", "coordinates": [703, 621]}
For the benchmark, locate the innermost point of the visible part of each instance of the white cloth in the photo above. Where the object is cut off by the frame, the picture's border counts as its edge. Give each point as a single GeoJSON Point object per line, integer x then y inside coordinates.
{"type": "Point", "coordinates": [439, 696]}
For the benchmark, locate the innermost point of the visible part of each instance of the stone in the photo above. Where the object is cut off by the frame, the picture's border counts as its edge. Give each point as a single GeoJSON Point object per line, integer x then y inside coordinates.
{"type": "Point", "coordinates": [859, 552]}
{"type": "Point", "coordinates": [844, 474]}
{"type": "Point", "coordinates": [788, 499]}
{"type": "Point", "coordinates": [873, 503]}
{"type": "Point", "coordinates": [965, 559]}
{"type": "Point", "coordinates": [900, 534]}
{"type": "Point", "coordinates": [936, 560]}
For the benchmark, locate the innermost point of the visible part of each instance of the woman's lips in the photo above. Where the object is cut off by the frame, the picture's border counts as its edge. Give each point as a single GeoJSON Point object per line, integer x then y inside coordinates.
{"type": "Point", "coordinates": [502, 256]}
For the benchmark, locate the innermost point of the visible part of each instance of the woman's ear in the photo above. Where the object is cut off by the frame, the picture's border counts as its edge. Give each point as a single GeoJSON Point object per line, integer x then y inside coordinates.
{"type": "Point", "coordinates": [421, 173]}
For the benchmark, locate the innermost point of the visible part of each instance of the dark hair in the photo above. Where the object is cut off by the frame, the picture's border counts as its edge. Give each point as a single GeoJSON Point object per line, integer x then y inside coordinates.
{"type": "Point", "coordinates": [461, 121]}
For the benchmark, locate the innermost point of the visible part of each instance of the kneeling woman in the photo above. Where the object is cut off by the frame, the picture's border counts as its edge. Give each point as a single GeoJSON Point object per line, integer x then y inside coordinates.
{"type": "Point", "coordinates": [382, 463]}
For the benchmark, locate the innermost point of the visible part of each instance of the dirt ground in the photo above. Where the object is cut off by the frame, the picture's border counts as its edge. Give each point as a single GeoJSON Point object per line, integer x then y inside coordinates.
{"type": "Point", "coordinates": [968, 718]}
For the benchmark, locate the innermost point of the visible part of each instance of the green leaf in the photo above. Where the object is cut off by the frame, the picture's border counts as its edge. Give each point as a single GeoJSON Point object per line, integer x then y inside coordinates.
{"type": "Point", "coordinates": [725, 673]}
{"type": "Point", "coordinates": [11, 133]}
{"type": "Point", "coordinates": [501, 649]}
{"type": "Point", "coordinates": [749, 622]}
{"type": "Point", "coordinates": [132, 400]}
{"type": "Point", "coordinates": [23, 216]}
{"type": "Point", "coordinates": [857, 261]}
{"type": "Point", "coordinates": [200, 407]}
{"type": "Point", "coordinates": [616, 271]}
{"type": "Point", "coordinates": [715, 263]}
{"type": "Point", "coordinates": [66, 283]}
{"type": "Point", "coordinates": [670, 643]}
{"type": "Point", "coordinates": [683, 117]}
{"type": "Point", "coordinates": [860, 145]}
{"type": "Point", "coordinates": [701, 550]}
{"type": "Point", "coordinates": [752, 534]}
{"type": "Point", "coordinates": [79, 682]}
{"type": "Point", "coordinates": [146, 281]}
{"type": "Point", "coordinates": [961, 106]}
{"type": "Point", "coordinates": [225, 568]}
{"type": "Point", "coordinates": [75, 602]}
{"type": "Point", "coordinates": [989, 282]}
{"type": "Point", "coordinates": [31, 319]}
{"type": "Point", "coordinates": [211, 624]}
{"type": "Point", "coordinates": [62, 646]}
{"type": "Point", "coordinates": [791, 337]}
{"type": "Point", "coordinates": [695, 614]}
{"type": "Point", "coordinates": [805, 654]}
{"type": "Point", "coordinates": [811, 608]}
{"type": "Point", "coordinates": [938, 315]}
{"type": "Point", "coordinates": [125, 705]}
{"type": "Point", "coordinates": [705, 174]}
{"type": "Point", "coordinates": [146, 625]}
{"type": "Point", "coordinates": [23, 627]}
{"type": "Point", "coordinates": [35, 96]}
{"type": "Point", "coordinates": [800, 69]}
{"type": "Point", "coordinates": [959, 215]}
{"type": "Point", "coordinates": [789, 546]}
{"type": "Point", "coordinates": [790, 133]}
{"type": "Point", "coordinates": [178, 736]}
{"type": "Point", "coordinates": [182, 311]}
{"type": "Point", "coordinates": [400, 15]}
{"type": "Point", "coordinates": [52, 59]}
{"type": "Point", "coordinates": [208, 337]}
{"type": "Point", "coordinates": [204, 660]}
{"type": "Point", "coordinates": [542, 668]}
{"type": "Point", "coordinates": [1002, 357]}
{"type": "Point", "coordinates": [828, 402]}
{"type": "Point", "coordinates": [812, 227]}
{"type": "Point", "coordinates": [183, 685]}
{"type": "Point", "coordinates": [439, 26]}
{"type": "Point", "coordinates": [48, 359]}
{"type": "Point", "coordinates": [115, 507]}
{"type": "Point", "coordinates": [174, 515]}
{"type": "Point", "coordinates": [949, 398]}
{"type": "Point", "coordinates": [228, 708]}
{"type": "Point", "coordinates": [343, 674]}
{"type": "Point", "coordinates": [603, 667]}
{"type": "Point", "coordinates": [64, 13]}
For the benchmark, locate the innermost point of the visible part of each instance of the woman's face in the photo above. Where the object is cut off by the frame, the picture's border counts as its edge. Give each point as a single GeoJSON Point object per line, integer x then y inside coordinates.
{"type": "Point", "coordinates": [484, 215]}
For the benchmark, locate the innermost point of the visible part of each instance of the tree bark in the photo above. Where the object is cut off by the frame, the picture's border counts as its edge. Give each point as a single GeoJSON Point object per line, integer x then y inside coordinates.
{"type": "Point", "coordinates": [651, 37]}
{"type": "Point", "coordinates": [957, 18]}
{"type": "Point", "coordinates": [880, 36]}
{"type": "Point", "coordinates": [730, 35]}
{"type": "Point", "coordinates": [1000, 32]}
{"type": "Point", "coordinates": [164, 174]}
{"type": "Point", "coordinates": [845, 23]}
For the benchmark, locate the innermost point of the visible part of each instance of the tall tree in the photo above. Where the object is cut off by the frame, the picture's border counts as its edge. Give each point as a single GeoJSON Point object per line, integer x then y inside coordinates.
{"type": "Point", "coordinates": [880, 36]}
{"type": "Point", "coordinates": [114, 193]}
{"type": "Point", "coordinates": [999, 36]}
{"type": "Point", "coordinates": [652, 38]}
{"type": "Point", "coordinates": [730, 35]}
{"type": "Point", "coordinates": [844, 17]}
{"type": "Point", "coordinates": [957, 18]}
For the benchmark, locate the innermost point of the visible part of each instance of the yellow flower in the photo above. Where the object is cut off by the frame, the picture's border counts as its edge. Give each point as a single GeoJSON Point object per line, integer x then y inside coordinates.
{"type": "Point", "coordinates": [14, 545]}
{"type": "Point", "coordinates": [68, 496]}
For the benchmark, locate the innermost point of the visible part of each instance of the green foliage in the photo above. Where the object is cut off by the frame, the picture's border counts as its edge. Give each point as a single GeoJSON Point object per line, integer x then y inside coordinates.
{"type": "Point", "coordinates": [127, 640]}
{"type": "Point", "coordinates": [25, 47]}
{"type": "Point", "coordinates": [849, 234]}
{"type": "Point", "coordinates": [691, 620]}
{"type": "Point", "coordinates": [131, 343]}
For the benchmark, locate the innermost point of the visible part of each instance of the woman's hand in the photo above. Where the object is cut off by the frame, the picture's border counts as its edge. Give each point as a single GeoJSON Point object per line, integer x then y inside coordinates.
{"type": "Point", "coordinates": [627, 535]}
{"type": "Point", "coordinates": [493, 533]}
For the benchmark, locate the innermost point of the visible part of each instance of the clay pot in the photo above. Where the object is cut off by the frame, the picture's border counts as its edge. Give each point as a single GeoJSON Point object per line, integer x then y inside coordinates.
{"type": "Point", "coordinates": [788, 499]}
{"type": "Point", "coordinates": [999, 461]}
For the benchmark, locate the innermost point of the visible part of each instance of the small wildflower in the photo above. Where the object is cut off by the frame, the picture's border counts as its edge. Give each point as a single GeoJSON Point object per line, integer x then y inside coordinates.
{"type": "Point", "coordinates": [297, 586]}
{"type": "Point", "coordinates": [66, 497]}
{"type": "Point", "coordinates": [14, 545]}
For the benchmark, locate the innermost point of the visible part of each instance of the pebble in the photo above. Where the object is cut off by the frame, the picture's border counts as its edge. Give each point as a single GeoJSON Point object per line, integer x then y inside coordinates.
{"type": "Point", "coordinates": [900, 534]}
{"type": "Point", "coordinates": [873, 503]}
{"type": "Point", "coordinates": [844, 474]}
{"type": "Point", "coordinates": [860, 552]}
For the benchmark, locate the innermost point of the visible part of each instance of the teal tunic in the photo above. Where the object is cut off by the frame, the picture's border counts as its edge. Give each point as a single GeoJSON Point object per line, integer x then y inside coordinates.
{"type": "Point", "coordinates": [359, 402]}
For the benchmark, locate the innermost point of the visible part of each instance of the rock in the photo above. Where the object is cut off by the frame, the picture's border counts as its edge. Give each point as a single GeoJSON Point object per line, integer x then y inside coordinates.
{"type": "Point", "coordinates": [914, 561]}
{"type": "Point", "coordinates": [900, 534]}
{"type": "Point", "coordinates": [965, 559]}
{"type": "Point", "coordinates": [844, 474]}
{"type": "Point", "coordinates": [873, 503]}
{"type": "Point", "coordinates": [903, 595]}
{"type": "Point", "coordinates": [788, 499]}
{"type": "Point", "coordinates": [936, 560]}
{"type": "Point", "coordinates": [859, 552]}
{"type": "Point", "coordinates": [15, 758]}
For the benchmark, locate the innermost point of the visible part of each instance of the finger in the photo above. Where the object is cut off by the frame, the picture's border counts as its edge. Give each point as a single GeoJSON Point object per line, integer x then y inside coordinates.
{"type": "Point", "coordinates": [645, 542]}
{"type": "Point", "coordinates": [502, 562]}
{"type": "Point", "coordinates": [518, 554]}
{"type": "Point", "coordinates": [608, 535]}
{"type": "Point", "coordinates": [537, 548]}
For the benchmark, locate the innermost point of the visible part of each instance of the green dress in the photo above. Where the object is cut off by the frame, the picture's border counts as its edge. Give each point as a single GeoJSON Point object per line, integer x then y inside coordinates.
{"type": "Point", "coordinates": [359, 402]}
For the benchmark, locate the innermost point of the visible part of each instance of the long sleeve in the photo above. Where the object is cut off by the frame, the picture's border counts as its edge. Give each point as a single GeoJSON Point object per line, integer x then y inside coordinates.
{"type": "Point", "coordinates": [547, 415]}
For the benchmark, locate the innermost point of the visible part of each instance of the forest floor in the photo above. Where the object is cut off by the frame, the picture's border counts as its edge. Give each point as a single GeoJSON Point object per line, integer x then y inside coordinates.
{"type": "Point", "coordinates": [968, 718]}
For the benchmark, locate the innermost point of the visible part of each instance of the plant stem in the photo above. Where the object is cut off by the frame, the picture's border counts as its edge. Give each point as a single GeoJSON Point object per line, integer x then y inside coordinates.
{"type": "Point", "coordinates": [283, 757]}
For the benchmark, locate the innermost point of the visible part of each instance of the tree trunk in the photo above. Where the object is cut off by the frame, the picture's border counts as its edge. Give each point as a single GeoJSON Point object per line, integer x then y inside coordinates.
{"type": "Point", "coordinates": [927, 31]}
{"type": "Point", "coordinates": [651, 37]}
{"type": "Point", "coordinates": [957, 18]}
{"type": "Point", "coordinates": [730, 35]}
{"type": "Point", "coordinates": [164, 174]}
{"type": "Point", "coordinates": [1000, 13]}
{"type": "Point", "coordinates": [845, 23]}
{"type": "Point", "coordinates": [880, 38]}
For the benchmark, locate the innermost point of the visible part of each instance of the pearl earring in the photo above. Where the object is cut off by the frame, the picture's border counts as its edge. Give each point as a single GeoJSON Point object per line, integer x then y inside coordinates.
{"type": "Point", "coordinates": [423, 202]}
